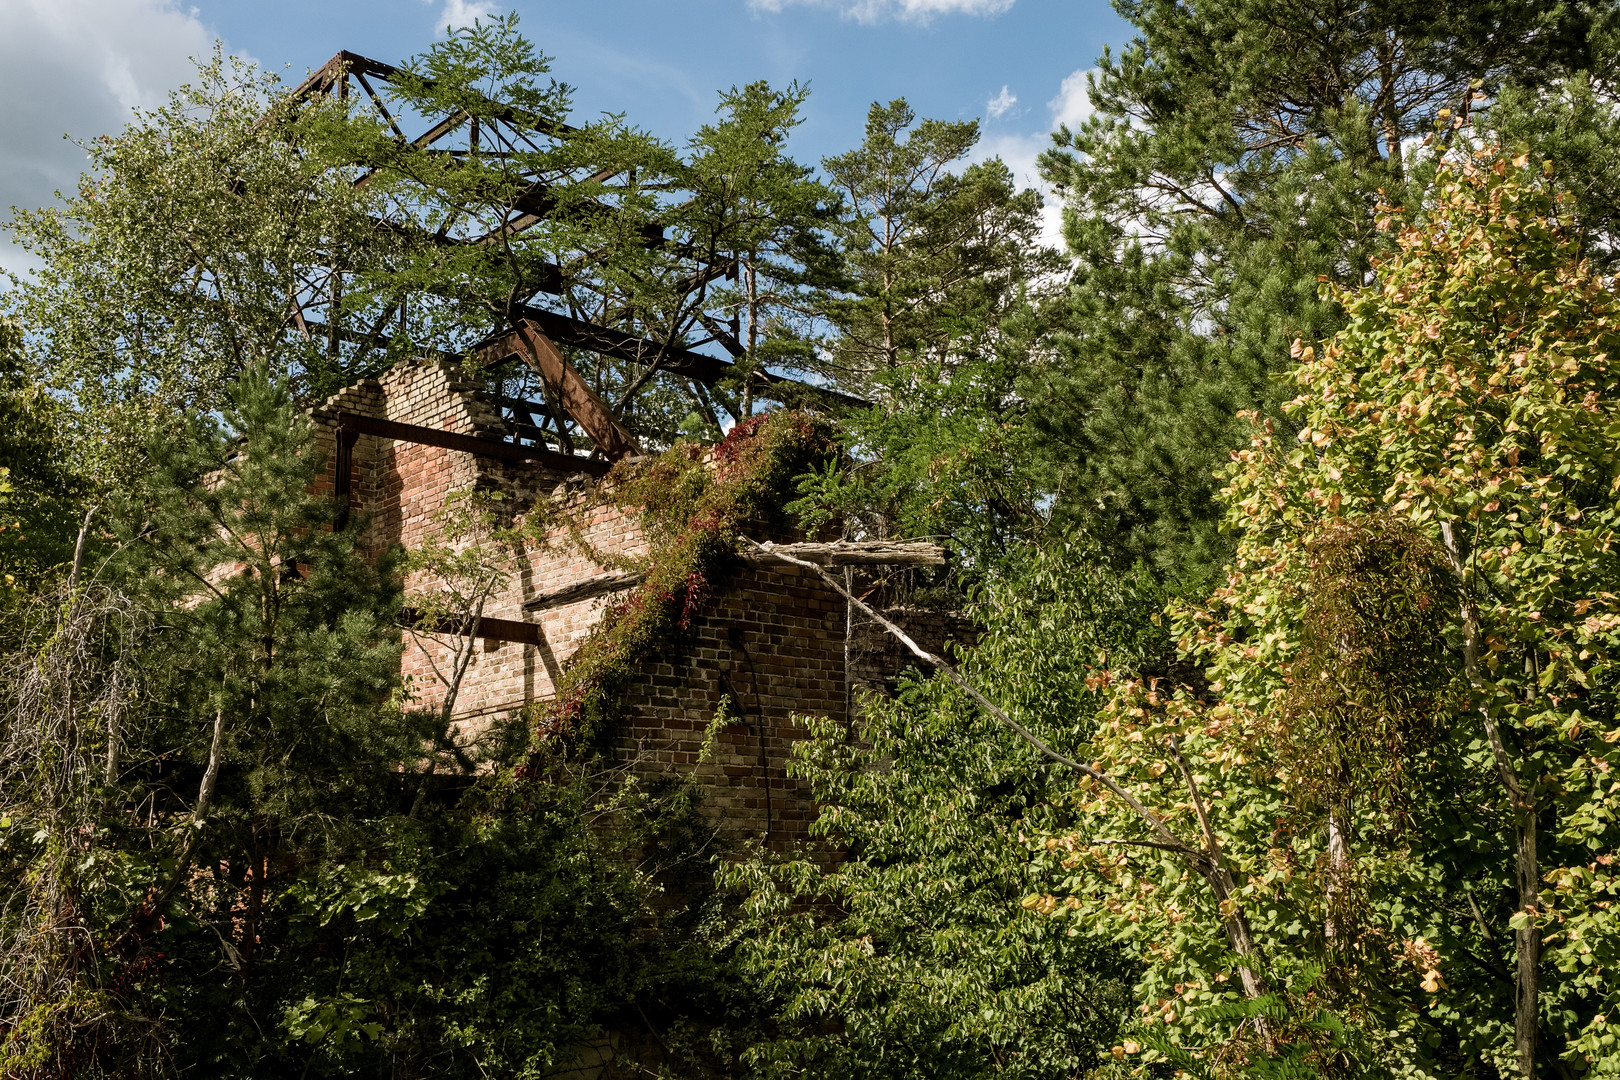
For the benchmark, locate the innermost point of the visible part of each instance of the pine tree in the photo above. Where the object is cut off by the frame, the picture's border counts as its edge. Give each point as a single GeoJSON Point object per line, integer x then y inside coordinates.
{"type": "Point", "coordinates": [1240, 151]}
{"type": "Point", "coordinates": [759, 213]}
{"type": "Point", "coordinates": [937, 256]}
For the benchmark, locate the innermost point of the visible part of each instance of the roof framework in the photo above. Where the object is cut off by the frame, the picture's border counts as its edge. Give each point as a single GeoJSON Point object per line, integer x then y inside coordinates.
{"type": "Point", "coordinates": [570, 316]}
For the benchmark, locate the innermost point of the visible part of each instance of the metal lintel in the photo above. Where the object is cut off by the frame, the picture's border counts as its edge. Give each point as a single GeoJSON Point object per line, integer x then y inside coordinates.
{"type": "Point", "coordinates": [467, 444]}
{"type": "Point", "coordinates": [524, 633]}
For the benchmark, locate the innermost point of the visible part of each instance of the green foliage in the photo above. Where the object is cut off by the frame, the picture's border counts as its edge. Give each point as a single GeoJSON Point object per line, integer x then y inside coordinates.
{"type": "Point", "coordinates": [759, 210]}
{"type": "Point", "coordinates": [906, 954]}
{"type": "Point", "coordinates": [504, 934]}
{"type": "Point", "coordinates": [1240, 151]}
{"type": "Point", "coordinates": [174, 266]}
{"type": "Point", "coordinates": [1373, 661]}
{"type": "Point", "coordinates": [1409, 677]}
{"type": "Point", "coordinates": [936, 255]}
{"type": "Point", "coordinates": [41, 496]}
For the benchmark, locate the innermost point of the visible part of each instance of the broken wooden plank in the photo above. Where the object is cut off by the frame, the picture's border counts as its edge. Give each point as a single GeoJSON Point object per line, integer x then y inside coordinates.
{"type": "Point", "coordinates": [588, 589]}
{"type": "Point", "coordinates": [850, 553]}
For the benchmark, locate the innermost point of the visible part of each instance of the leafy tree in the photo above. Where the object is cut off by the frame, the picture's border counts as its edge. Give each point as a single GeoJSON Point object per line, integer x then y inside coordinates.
{"type": "Point", "coordinates": [937, 256]}
{"type": "Point", "coordinates": [181, 262]}
{"type": "Point", "coordinates": [1391, 819]}
{"type": "Point", "coordinates": [41, 496]}
{"type": "Point", "coordinates": [217, 848]}
{"type": "Point", "coordinates": [1239, 152]}
{"type": "Point", "coordinates": [909, 955]}
{"type": "Point", "coordinates": [201, 721]}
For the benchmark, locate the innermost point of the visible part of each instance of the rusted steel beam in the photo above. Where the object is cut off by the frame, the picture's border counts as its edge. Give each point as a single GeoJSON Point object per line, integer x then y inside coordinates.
{"type": "Point", "coordinates": [467, 444]}
{"type": "Point", "coordinates": [489, 629]}
{"type": "Point", "coordinates": [574, 393]}
{"type": "Point", "coordinates": [622, 346]}
{"type": "Point", "coordinates": [338, 68]}
{"type": "Point", "coordinates": [614, 343]}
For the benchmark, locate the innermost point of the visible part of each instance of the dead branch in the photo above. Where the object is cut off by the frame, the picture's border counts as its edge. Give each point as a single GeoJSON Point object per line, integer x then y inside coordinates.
{"type": "Point", "coordinates": [199, 816]}
{"type": "Point", "coordinates": [850, 553]}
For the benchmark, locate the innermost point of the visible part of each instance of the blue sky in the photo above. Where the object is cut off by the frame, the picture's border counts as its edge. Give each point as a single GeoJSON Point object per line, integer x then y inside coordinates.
{"type": "Point", "coordinates": [79, 66]}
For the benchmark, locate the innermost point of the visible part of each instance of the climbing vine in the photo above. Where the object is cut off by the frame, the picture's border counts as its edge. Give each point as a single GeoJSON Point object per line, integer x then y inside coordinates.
{"type": "Point", "coordinates": [694, 501]}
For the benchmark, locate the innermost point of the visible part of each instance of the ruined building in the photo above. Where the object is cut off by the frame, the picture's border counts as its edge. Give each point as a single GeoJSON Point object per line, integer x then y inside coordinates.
{"type": "Point", "coordinates": [777, 643]}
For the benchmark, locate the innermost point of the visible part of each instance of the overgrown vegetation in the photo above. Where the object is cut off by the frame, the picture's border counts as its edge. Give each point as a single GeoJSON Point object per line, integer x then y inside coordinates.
{"type": "Point", "coordinates": [695, 502]}
{"type": "Point", "coordinates": [1292, 749]}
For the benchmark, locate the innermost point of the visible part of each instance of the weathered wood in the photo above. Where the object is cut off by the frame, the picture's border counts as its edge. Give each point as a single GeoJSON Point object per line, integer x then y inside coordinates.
{"type": "Point", "coordinates": [469, 444]}
{"type": "Point", "coordinates": [851, 553]}
{"type": "Point", "coordinates": [583, 590]}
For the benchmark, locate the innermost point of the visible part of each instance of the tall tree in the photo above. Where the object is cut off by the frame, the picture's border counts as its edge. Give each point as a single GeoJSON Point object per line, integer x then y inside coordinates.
{"type": "Point", "coordinates": [911, 956]}
{"type": "Point", "coordinates": [182, 260]}
{"type": "Point", "coordinates": [761, 215]}
{"type": "Point", "coordinates": [1400, 765]}
{"type": "Point", "coordinates": [937, 256]}
{"type": "Point", "coordinates": [1241, 150]}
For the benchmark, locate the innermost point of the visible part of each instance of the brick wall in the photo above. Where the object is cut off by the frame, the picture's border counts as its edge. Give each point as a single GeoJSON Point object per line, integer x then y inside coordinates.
{"type": "Point", "coordinates": [773, 643]}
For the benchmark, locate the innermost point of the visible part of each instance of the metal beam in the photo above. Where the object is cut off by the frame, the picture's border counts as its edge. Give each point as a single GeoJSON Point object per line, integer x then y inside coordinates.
{"type": "Point", "coordinates": [524, 633]}
{"type": "Point", "coordinates": [467, 444]}
{"type": "Point", "coordinates": [704, 368]}
{"type": "Point", "coordinates": [574, 393]}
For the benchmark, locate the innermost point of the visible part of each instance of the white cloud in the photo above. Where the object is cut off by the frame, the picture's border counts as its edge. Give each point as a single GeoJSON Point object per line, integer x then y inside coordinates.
{"type": "Point", "coordinates": [871, 11]}
{"type": "Point", "coordinates": [1021, 153]}
{"type": "Point", "coordinates": [79, 67]}
{"type": "Point", "coordinates": [1072, 105]}
{"type": "Point", "coordinates": [997, 106]}
{"type": "Point", "coordinates": [455, 14]}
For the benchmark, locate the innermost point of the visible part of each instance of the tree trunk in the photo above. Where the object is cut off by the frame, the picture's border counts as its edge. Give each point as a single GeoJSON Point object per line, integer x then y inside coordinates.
{"type": "Point", "coordinates": [1527, 938]}
{"type": "Point", "coordinates": [1338, 866]}
{"type": "Point", "coordinates": [1526, 944]}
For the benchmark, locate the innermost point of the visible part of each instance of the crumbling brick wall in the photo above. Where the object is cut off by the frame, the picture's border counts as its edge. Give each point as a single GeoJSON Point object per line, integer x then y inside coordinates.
{"type": "Point", "coordinates": [773, 643]}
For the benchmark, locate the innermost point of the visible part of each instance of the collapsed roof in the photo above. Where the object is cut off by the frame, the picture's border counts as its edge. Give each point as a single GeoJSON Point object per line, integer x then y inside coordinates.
{"type": "Point", "coordinates": [546, 201]}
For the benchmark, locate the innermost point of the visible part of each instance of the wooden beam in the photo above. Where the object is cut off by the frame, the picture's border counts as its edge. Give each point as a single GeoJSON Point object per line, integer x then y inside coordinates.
{"type": "Point", "coordinates": [467, 444]}
{"type": "Point", "coordinates": [575, 394]}
{"type": "Point", "coordinates": [588, 589]}
{"type": "Point", "coordinates": [850, 553]}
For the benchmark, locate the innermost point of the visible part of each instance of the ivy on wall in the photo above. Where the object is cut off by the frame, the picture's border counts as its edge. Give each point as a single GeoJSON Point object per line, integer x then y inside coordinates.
{"type": "Point", "coordinates": [694, 502]}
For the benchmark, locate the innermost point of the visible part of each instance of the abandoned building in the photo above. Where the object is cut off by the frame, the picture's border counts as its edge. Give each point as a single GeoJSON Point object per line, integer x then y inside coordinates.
{"type": "Point", "coordinates": [777, 643]}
